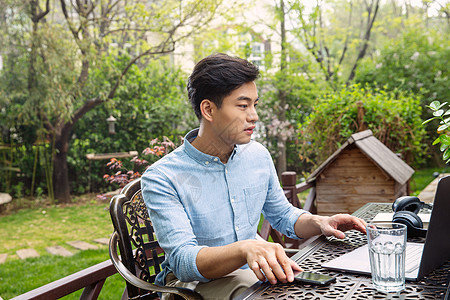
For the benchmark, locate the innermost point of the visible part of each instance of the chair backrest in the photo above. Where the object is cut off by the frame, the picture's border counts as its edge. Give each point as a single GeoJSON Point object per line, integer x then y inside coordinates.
{"type": "Point", "coordinates": [139, 249]}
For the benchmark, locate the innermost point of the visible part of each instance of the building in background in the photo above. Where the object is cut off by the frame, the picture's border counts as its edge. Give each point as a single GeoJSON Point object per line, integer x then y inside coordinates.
{"type": "Point", "coordinates": [247, 34]}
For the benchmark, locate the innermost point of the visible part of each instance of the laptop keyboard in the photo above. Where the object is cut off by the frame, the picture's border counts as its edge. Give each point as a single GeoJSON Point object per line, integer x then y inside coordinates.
{"type": "Point", "coordinates": [413, 257]}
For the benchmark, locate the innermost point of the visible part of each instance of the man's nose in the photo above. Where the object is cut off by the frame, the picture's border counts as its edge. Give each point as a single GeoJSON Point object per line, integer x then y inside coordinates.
{"type": "Point", "coordinates": [252, 115]}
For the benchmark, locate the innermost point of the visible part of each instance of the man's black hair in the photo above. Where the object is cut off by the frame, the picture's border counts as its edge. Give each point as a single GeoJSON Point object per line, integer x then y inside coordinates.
{"type": "Point", "coordinates": [216, 76]}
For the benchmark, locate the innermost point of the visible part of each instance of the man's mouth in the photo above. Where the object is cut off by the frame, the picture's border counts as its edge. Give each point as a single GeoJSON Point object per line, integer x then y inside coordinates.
{"type": "Point", "coordinates": [249, 130]}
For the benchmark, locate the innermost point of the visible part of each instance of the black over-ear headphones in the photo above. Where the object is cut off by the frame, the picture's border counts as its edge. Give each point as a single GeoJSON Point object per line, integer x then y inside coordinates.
{"type": "Point", "coordinates": [405, 212]}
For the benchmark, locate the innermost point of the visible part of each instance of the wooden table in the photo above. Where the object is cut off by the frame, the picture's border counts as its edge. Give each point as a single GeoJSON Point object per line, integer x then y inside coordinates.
{"type": "Point", "coordinates": [348, 286]}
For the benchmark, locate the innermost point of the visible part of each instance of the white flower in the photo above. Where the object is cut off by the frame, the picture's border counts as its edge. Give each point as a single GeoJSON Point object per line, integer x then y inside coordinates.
{"type": "Point", "coordinates": [379, 65]}
{"type": "Point", "coordinates": [415, 55]}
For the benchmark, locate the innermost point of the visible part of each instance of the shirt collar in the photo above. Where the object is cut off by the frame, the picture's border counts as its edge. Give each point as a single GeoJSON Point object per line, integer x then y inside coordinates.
{"type": "Point", "coordinates": [200, 157]}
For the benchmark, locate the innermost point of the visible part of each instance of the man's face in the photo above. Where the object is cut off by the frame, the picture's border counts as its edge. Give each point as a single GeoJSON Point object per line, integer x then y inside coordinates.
{"type": "Point", "coordinates": [235, 121]}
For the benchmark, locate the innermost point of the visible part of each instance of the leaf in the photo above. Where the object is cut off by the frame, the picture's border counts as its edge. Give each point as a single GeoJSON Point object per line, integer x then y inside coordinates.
{"type": "Point", "coordinates": [429, 120]}
{"type": "Point", "coordinates": [437, 141]}
{"type": "Point", "coordinates": [447, 112]}
{"type": "Point", "coordinates": [446, 154]}
{"type": "Point", "coordinates": [438, 113]}
{"type": "Point", "coordinates": [445, 139]}
{"type": "Point", "coordinates": [442, 104]}
{"type": "Point", "coordinates": [443, 147]}
{"type": "Point", "coordinates": [442, 127]}
{"type": "Point", "coordinates": [435, 105]}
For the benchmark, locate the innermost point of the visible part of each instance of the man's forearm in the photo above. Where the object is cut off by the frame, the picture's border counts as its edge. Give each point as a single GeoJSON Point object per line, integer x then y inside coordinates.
{"type": "Point", "coordinates": [308, 225]}
{"type": "Point", "coordinates": [215, 262]}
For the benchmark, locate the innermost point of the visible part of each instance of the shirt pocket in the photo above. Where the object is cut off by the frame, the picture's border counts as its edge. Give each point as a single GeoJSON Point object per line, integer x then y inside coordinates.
{"type": "Point", "coordinates": [254, 200]}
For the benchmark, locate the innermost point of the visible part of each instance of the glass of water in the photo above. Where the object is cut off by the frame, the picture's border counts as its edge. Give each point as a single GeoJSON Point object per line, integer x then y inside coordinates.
{"type": "Point", "coordinates": [387, 244]}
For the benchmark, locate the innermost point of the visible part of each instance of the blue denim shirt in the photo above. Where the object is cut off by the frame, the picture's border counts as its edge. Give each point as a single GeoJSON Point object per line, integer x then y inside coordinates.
{"type": "Point", "coordinates": [196, 201]}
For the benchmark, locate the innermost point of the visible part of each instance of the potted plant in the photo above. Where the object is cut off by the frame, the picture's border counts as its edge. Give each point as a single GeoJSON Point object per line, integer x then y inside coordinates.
{"type": "Point", "coordinates": [444, 127]}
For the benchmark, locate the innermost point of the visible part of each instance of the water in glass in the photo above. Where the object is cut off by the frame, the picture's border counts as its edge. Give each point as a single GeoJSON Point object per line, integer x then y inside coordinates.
{"type": "Point", "coordinates": [387, 244]}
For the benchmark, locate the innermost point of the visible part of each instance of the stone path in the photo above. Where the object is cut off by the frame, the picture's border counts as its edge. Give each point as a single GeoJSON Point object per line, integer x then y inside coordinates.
{"type": "Point", "coordinates": [27, 253]}
{"type": "Point", "coordinates": [80, 245]}
{"type": "Point", "coordinates": [57, 250]}
{"type": "Point", "coordinates": [3, 258]}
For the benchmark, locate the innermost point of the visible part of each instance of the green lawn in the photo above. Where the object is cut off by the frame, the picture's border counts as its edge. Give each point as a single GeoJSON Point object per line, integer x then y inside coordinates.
{"type": "Point", "coordinates": [20, 276]}
{"type": "Point", "coordinates": [422, 178]}
{"type": "Point", "coordinates": [51, 226]}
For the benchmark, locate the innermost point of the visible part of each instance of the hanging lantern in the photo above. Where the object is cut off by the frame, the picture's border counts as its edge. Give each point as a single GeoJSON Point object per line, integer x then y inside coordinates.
{"type": "Point", "coordinates": [111, 124]}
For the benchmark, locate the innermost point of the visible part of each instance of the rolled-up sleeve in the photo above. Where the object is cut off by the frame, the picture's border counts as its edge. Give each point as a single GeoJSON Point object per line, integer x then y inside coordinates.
{"type": "Point", "coordinates": [281, 214]}
{"type": "Point", "coordinates": [172, 226]}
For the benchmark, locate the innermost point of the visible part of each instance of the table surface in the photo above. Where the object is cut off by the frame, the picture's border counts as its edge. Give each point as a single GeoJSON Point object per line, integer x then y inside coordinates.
{"type": "Point", "coordinates": [319, 250]}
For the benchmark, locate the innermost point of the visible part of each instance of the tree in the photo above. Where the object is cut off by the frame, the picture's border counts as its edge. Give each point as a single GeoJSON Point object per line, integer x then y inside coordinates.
{"type": "Point", "coordinates": [327, 41]}
{"type": "Point", "coordinates": [282, 93]}
{"type": "Point", "coordinates": [71, 47]}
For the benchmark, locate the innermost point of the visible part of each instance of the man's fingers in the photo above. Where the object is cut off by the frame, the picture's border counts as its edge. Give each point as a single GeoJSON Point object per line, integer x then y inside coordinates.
{"type": "Point", "coordinates": [361, 225]}
{"type": "Point", "coordinates": [279, 270]}
{"type": "Point", "coordinates": [295, 266]}
{"type": "Point", "coordinates": [339, 234]}
{"type": "Point", "coordinates": [271, 262]}
{"type": "Point", "coordinates": [268, 272]}
{"type": "Point", "coordinates": [257, 270]}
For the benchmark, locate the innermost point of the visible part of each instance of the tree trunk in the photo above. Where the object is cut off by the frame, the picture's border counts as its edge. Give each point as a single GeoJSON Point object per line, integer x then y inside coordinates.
{"type": "Point", "coordinates": [280, 161]}
{"type": "Point", "coordinates": [60, 170]}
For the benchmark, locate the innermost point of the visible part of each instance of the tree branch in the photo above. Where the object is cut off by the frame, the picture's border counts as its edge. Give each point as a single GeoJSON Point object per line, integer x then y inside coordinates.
{"type": "Point", "coordinates": [38, 17]}
{"type": "Point", "coordinates": [341, 59]}
{"type": "Point", "coordinates": [363, 50]}
{"type": "Point", "coordinates": [69, 23]}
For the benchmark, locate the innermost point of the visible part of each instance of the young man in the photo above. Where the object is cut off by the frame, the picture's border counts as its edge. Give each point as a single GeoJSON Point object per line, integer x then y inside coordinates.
{"type": "Point", "coordinates": [206, 197]}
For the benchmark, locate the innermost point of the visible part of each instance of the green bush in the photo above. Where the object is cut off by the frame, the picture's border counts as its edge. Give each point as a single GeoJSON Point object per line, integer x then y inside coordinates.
{"type": "Point", "coordinates": [393, 117]}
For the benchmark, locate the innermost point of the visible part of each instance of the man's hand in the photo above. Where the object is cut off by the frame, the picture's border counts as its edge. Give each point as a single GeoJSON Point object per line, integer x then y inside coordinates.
{"type": "Point", "coordinates": [336, 225]}
{"type": "Point", "coordinates": [310, 225]}
{"type": "Point", "coordinates": [268, 260]}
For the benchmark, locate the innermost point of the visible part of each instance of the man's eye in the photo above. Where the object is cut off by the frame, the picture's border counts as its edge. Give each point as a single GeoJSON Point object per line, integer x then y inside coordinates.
{"type": "Point", "coordinates": [243, 105]}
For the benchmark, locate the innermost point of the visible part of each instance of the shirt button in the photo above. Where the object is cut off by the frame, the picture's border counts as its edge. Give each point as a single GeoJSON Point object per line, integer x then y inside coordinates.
{"type": "Point", "coordinates": [226, 171]}
{"type": "Point", "coordinates": [216, 159]}
{"type": "Point", "coordinates": [232, 200]}
{"type": "Point", "coordinates": [206, 162]}
{"type": "Point", "coordinates": [237, 228]}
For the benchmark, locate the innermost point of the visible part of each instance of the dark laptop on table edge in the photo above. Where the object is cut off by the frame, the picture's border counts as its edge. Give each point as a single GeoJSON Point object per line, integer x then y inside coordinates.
{"type": "Point", "coordinates": [436, 249]}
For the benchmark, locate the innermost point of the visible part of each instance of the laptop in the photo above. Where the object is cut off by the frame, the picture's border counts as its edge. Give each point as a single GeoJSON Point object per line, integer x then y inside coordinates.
{"type": "Point", "coordinates": [420, 259]}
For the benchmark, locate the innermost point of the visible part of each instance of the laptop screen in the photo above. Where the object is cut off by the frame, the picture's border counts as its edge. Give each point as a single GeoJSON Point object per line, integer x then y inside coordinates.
{"type": "Point", "coordinates": [437, 245]}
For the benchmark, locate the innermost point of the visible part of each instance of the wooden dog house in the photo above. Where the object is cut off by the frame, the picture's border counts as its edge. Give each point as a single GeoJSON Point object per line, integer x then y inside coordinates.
{"type": "Point", "coordinates": [363, 170]}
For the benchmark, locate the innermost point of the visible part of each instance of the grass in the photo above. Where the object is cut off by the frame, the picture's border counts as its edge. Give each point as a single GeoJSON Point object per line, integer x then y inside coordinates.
{"type": "Point", "coordinates": [20, 276]}
{"type": "Point", "coordinates": [51, 226]}
{"type": "Point", "coordinates": [86, 220]}
{"type": "Point", "coordinates": [422, 178]}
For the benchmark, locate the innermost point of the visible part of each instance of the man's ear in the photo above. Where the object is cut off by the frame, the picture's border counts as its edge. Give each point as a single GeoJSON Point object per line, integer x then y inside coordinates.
{"type": "Point", "coordinates": [207, 108]}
